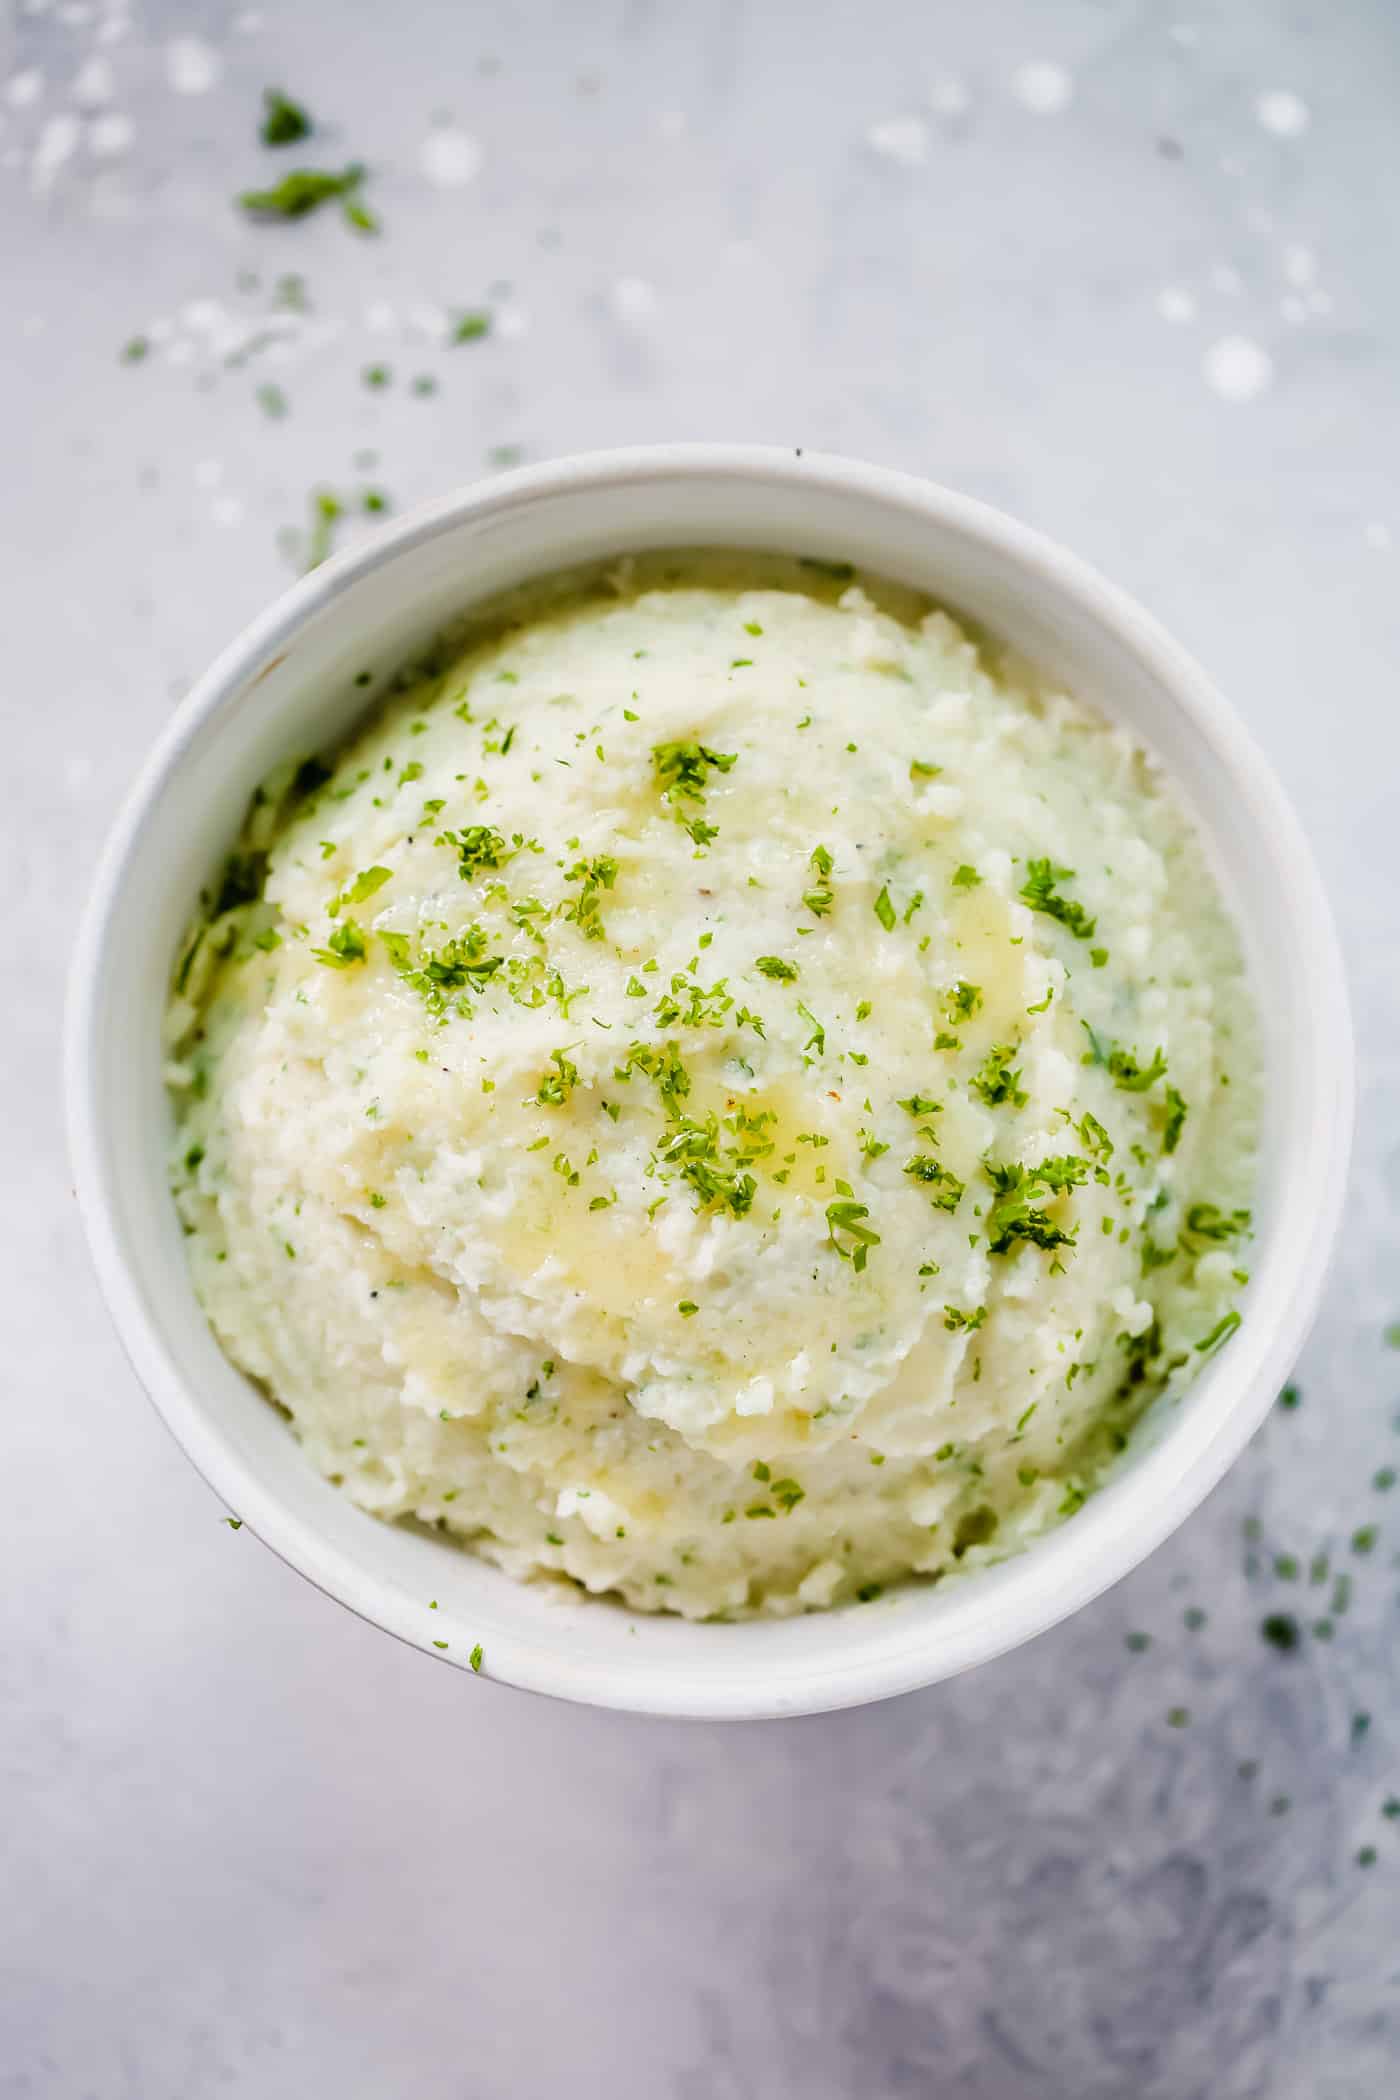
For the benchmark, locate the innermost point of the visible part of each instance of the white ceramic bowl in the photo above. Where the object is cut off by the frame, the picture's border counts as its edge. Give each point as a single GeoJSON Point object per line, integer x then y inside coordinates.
{"type": "Point", "coordinates": [284, 687]}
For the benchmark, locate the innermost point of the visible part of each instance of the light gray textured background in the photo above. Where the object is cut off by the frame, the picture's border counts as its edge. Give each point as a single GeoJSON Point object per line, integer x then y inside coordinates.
{"type": "Point", "coordinates": [248, 1845]}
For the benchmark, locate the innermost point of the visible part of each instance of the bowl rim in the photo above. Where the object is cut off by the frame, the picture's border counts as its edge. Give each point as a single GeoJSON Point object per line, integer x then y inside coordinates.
{"type": "Point", "coordinates": [1118, 1527]}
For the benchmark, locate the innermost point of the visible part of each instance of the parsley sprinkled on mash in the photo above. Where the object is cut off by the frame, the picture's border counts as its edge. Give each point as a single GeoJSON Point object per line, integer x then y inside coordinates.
{"type": "Point", "coordinates": [684, 984]}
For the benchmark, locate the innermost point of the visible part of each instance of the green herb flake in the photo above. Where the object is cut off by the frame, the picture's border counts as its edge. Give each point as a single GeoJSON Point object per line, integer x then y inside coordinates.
{"type": "Point", "coordinates": [848, 1233]}
{"type": "Point", "coordinates": [884, 910]}
{"type": "Point", "coordinates": [365, 884]}
{"type": "Point", "coordinates": [1123, 1066]}
{"type": "Point", "coordinates": [683, 768]}
{"type": "Point", "coordinates": [995, 1081]}
{"type": "Point", "coordinates": [301, 191]}
{"type": "Point", "coordinates": [345, 946]}
{"type": "Point", "coordinates": [1177, 1113]}
{"type": "Point", "coordinates": [1221, 1332]}
{"type": "Point", "coordinates": [1039, 891]}
{"type": "Point", "coordinates": [284, 121]}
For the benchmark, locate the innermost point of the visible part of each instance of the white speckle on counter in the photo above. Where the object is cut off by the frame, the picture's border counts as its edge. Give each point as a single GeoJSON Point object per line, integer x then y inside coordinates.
{"type": "Point", "coordinates": [449, 158]}
{"type": "Point", "coordinates": [227, 511]}
{"type": "Point", "coordinates": [192, 67]}
{"type": "Point", "coordinates": [23, 89]}
{"type": "Point", "coordinates": [1225, 278]}
{"type": "Point", "coordinates": [1043, 87]}
{"type": "Point", "coordinates": [1379, 536]}
{"type": "Point", "coordinates": [208, 473]}
{"type": "Point", "coordinates": [900, 139]}
{"type": "Point", "coordinates": [1176, 305]}
{"type": "Point", "coordinates": [428, 320]}
{"type": "Point", "coordinates": [1283, 113]}
{"type": "Point", "coordinates": [1237, 369]}
{"type": "Point", "coordinates": [109, 134]}
{"type": "Point", "coordinates": [672, 124]}
{"type": "Point", "coordinates": [57, 141]}
{"type": "Point", "coordinates": [512, 322]}
{"type": "Point", "coordinates": [1299, 264]}
{"type": "Point", "coordinates": [93, 84]}
{"type": "Point", "coordinates": [949, 95]}
{"type": "Point", "coordinates": [633, 299]}
{"type": "Point", "coordinates": [380, 318]}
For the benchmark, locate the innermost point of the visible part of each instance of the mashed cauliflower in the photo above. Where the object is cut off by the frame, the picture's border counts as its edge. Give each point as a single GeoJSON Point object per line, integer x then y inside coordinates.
{"type": "Point", "coordinates": [723, 1091]}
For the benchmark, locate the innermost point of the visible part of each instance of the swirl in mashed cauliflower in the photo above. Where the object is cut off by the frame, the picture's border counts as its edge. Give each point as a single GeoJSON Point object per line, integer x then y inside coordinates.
{"type": "Point", "coordinates": [724, 1091]}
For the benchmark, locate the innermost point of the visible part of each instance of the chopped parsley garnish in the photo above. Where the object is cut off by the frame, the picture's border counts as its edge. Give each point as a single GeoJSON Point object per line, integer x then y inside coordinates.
{"type": "Point", "coordinates": [284, 121]}
{"type": "Point", "coordinates": [1176, 1117]}
{"type": "Point", "coordinates": [848, 1233]}
{"type": "Point", "coordinates": [1040, 893]}
{"type": "Point", "coordinates": [920, 769]}
{"type": "Point", "coordinates": [819, 901]}
{"type": "Point", "coordinates": [594, 876]}
{"type": "Point", "coordinates": [1206, 1221]}
{"type": "Point", "coordinates": [472, 326]}
{"type": "Point", "coordinates": [1021, 1191]}
{"type": "Point", "coordinates": [715, 1172]}
{"type": "Point", "coordinates": [958, 1322]}
{"type": "Point", "coordinates": [556, 1087]}
{"type": "Point", "coordinates": [345, 946]}
{"type": "Point", "coordinates": [774, 966]}
{"type": "Point", "coordinates": [965, 878]}
{"type": "Point", "coordinates": [477, 1657]}
{"type": "Point", "coordinates": [962, 1001]}
{"type": "Point", "coordinates": [884, 910]}
{"type": "Point", "coordinates": [944, 1188]}
{"type": "Point", "coordinates": [364, 885]}
{"type": "Point", "coordinates": [461, 965]}
{"type": "Point", "coordinates": [817, 1039]}
{"type": "Point", "coordinates": [1123, 1066]}
{"type": "Point", "coordinates": [478, 846]}
{"type": "Point", "coordinates": [684, 768]}
{"type": "Point", "coordinates": [1221, 1332]}
{"type": "Point", "coordinates": [995, 1081]}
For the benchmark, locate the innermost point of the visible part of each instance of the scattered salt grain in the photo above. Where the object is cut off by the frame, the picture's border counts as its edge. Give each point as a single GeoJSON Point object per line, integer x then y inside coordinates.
{"type": "Point", "coordinates": [1042, 87]}
{"type": "Point", "coordinates": [903, 140]}
{"type": "Point", "coordinates": [1283, 113]}
{"type": "Point", "coordinates": [1237, 369]}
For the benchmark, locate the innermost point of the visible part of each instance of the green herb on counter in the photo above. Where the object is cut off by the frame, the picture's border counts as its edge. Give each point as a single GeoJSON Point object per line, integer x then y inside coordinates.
{"type": "Point", "coordinates": [301, 192]}
{"type": "Point", "coordinates": [284, 121]}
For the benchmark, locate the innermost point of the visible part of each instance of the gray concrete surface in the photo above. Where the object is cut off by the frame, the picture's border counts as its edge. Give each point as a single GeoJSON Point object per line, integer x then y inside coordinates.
{"type": "Point", "coordinates": [1143, 294]}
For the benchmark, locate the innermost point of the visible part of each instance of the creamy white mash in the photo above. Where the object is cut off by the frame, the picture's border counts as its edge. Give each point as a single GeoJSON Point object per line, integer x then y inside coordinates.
{"type": "Point", "coordinates": [723, 1091]}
